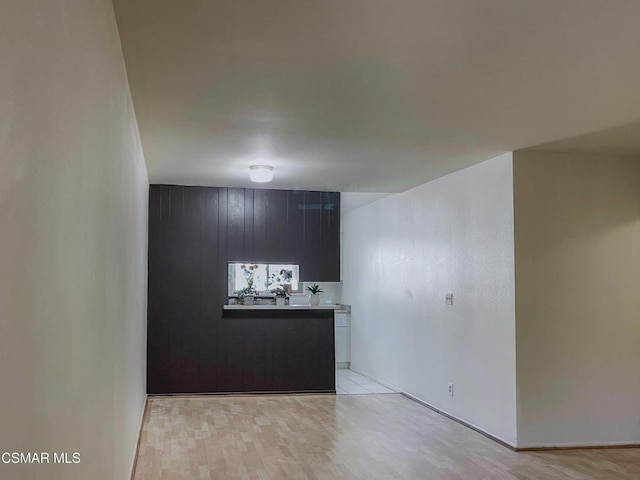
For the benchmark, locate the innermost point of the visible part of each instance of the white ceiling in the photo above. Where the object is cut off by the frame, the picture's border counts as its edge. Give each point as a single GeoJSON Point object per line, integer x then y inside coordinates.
{"type": "Point", "coordinates": [370, 95]}
{"type": "Point", "coordinates": [621, 141]}
{"type": "Point", "coordinates": [352, 200]}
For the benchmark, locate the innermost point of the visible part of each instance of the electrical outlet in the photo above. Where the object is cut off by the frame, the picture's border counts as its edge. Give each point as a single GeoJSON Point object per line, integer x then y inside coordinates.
{"type": "Point", "coordinates": [451, 389]}
{"type": "Point", "coordinates": [449, 298]}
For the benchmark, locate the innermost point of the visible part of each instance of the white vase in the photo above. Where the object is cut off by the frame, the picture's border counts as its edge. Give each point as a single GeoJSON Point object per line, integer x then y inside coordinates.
{"type": "Point", "coordinates": [248, 300]}
{"type": "Point", "coordinates": [280, 301]}
{"type": "Point", "coordinates": [314, 300]}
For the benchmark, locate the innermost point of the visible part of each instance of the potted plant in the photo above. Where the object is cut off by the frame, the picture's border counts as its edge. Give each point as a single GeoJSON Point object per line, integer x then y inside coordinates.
{"type": "Point", "coordinates": [281, 296]}
{"type": "Point", "coordinates": [246, 295]}
{"type": "Point", "coordinates": [314, 298]}
{"type": "Point", "coordinates": [281, 291]}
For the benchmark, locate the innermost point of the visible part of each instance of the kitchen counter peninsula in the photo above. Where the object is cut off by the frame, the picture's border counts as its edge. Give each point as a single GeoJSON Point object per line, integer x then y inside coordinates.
{"type": "Point", "coordinates": [282, 307]}
{"type": "Point", "coordinates": [277, 349]}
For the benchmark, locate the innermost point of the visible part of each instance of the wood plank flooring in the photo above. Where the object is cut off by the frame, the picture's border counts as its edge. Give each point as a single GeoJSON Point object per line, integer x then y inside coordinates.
{"type": "Point", "coordinates": [343, 437]}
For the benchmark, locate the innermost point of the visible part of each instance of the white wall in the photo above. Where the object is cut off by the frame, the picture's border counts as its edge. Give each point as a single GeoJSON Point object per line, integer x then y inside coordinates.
{"type": "Point", "coordinates": [401, 255]}
{"type": "Point", "coordinates": [577, 236]}
{"type": "Point", "coordinates": [73, 215]}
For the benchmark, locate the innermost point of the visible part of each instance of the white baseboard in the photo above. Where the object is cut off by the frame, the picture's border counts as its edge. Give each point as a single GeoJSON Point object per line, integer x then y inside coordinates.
{"type": "Point", "coordinates": [145, 412]}
{"type": "Point", "coordinates": [575, 445]}
{"type": "Point", "coordinates": [424, 403]}
{"type": "Point", "coordinates": [482, 431]}
{"type": "Point", "coordinates": [511, 445]}
{"type": "Point", "coordinates": [377, 380]}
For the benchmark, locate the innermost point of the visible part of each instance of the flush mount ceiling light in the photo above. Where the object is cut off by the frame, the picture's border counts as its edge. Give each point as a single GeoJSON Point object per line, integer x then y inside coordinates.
{"type": "Point", "coordinates": [260, 173]}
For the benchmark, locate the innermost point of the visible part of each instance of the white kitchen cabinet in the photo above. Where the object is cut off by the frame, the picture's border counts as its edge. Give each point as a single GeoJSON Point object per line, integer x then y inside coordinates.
{"type": "Point", "coordinates": [343, 340]}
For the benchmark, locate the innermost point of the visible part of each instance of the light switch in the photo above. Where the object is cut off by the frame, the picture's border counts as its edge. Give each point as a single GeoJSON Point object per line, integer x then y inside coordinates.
{"type": "Point", "coordinates": [449, 298]}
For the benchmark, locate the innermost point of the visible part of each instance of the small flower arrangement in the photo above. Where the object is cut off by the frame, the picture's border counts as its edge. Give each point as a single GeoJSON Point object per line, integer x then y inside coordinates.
{"type": "Point", "coordinates": [249, 271]}
{"type": "Point", "coordinates": [245, 292]}
{"type": "Point", "coordinates": [280, 292]}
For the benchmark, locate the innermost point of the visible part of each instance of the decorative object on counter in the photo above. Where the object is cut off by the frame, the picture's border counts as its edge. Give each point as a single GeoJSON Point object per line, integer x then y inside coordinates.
{"type": "Point", "coordinates": [246, 295]}
{"type": "Point", "coordinates": [314, 298]}
{"type": "Point", "coordinates": [281, 295]}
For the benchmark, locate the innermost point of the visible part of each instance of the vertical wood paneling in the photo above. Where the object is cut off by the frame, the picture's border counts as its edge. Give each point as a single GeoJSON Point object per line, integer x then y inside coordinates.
{"type": "Point", "coordinates": [312, 221]}
{"type": "Point", "coordinates": [260, 209]}
{"type": "Point", "coordinates": [235, 224]}
{"type": "Point", "coordinates": [275, 224]}
{"type": "Point", "coordinates": [220, 294]}
{"type": "Point", "coordinates": [210, 284]}
{"type": "Point", "coordinates": [249, 220]}
{"type": "Point", "coordinates": [176, 311]}
{"type": "Point", "coordinates": [254, 348]}
{"type": "Point", "coordinates": [192, 328]}
{"type": "Point", "coordinates": [330, 237]}
{"type": "Point", "coordinates": [295, 224]}
{"type": "Point", "coordinates": [193, 233]}
{"type": "Point", "coordinates": [229, 366]}
{"type": "Point", "coordinates": [159, 291]}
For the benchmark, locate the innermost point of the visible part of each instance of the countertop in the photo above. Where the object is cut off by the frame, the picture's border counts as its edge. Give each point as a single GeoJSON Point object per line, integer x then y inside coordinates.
{"type": "Point", "coordinates": [283, 307]}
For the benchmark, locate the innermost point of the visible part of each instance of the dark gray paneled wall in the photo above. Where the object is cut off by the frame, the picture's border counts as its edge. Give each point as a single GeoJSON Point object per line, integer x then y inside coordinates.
{"type": "Point", "coordinates": [193, 233]}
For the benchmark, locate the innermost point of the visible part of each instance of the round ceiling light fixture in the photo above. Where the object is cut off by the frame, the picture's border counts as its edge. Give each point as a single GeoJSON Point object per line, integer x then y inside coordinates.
{"type": "Point", "coordinates": [260, 173]}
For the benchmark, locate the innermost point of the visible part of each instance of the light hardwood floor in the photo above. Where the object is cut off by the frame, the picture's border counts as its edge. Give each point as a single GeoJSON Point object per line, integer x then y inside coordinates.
{"type": "Point", "coordinates": [343, 437]}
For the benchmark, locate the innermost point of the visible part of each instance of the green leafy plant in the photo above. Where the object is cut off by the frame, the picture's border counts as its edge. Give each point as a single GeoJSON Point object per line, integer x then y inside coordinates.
{"type": "Point", "coordinates": [315, 289]}
{"type": "Point", "coordinates": [245, 292]}
{"type": "Point", "coordinates": [280, 292]}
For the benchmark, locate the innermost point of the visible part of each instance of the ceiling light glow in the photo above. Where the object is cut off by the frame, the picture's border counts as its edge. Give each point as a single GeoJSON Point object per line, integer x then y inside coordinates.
{"type": "Point", "coordinates": [261, 173]}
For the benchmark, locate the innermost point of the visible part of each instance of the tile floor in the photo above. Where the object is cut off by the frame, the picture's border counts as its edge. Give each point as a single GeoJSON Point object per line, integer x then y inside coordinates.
{"type": "Point", "coordinates": [349, 382]}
